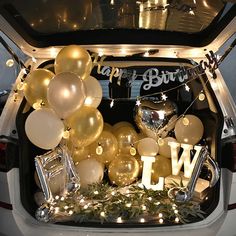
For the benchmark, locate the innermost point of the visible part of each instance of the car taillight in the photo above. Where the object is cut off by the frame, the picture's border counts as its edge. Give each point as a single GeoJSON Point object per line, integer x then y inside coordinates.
{"type": "Point", "coordinates": [8, 155]}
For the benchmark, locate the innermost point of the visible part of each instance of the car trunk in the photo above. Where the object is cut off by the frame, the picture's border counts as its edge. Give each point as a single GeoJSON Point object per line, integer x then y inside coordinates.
{"type": "Point", "coordinates": [154, 43]}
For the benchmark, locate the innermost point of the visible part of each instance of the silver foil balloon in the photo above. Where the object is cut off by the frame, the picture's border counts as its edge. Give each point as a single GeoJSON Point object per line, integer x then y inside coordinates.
{"type": "Point", "coordinates": [156, 118]}
{"type": "Point", "coordinates": [184, 194]}
{"type": "Point", "coordinates": [50, 165]}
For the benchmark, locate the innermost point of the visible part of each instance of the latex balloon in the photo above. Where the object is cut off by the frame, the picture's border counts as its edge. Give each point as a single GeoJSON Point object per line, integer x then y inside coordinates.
{"type": "Point", "coordinates": [109, 147]}
{"type": "Point", "coordinates": [107, 127]}
{"type": "Point", "coordinates": [123, 170]}
{"type": "Point", "coordinates": [140, 162]}
{"type": "Point", "coordinates": [161, 168]}
{"type": "Point", "coordinates": [66, 94]}
{"type": "Point", "coordinates": [126, 137]}
{"type": "Point", "coordinates": [121, 124]}
{"type": "Point", "coordinates": [36, 84]}
{"type": "Point", "coordinates": [93, 92]}
{"type": "Point", "coordinates": [80, 154]}
{"type": "Point", "coordinates": [189, 129]}
{"type": "Point", "coordinates": [154, 118]}
{"type": "Point", "coordinates": [90, 171]}
{"type": "Point", "coordinates": [164, 148]}
{"type": "Point", "coordinates": [44, 129]}
{"type": "Point", "coordinates": [74, 59]}
{"type": "Point", "coordinates": [86, 126]}
{"type": "Point", "coordinates": [147, 147]}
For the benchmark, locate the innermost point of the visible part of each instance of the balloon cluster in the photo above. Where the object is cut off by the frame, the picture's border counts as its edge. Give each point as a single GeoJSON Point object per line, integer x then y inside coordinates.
{"type": "Point", "coordinates": [68, 98]}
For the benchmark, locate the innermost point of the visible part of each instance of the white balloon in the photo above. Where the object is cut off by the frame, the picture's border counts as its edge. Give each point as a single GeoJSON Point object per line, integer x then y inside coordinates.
{"type": "Point", "coordinates": [93, 92]}
{"type": "Point", "coordinates": [147, 147]}
{"type": "Point", "coordinates": [44, 129]}
{"type": "Point", "coordinates": [90, 171]}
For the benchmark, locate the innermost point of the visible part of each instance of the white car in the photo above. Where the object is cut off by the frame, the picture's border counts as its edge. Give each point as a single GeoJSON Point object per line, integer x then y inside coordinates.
{"type": "Point", "coordinates": [143, 51]}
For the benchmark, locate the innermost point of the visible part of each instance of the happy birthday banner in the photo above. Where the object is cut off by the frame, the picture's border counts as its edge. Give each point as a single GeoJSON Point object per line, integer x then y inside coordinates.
{"type": "Point", "coordinates": [153, 76]}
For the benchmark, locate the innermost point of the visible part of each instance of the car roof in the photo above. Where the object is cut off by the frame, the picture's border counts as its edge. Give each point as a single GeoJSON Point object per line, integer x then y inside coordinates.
{"type": "Point", "coordinates": [46, 23]}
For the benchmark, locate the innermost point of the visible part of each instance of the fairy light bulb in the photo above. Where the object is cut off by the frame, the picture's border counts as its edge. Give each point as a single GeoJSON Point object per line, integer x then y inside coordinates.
{"type": "Point", "coordinates": [34, 60]}
{"type": "Point", "coordinates": [177, 219]}
{"type": "Point", "coordinates": [132, 150]}
{"type": "Point", "coordinates": [138, 102]}
{"type": "Point", "coordinates": [142, 220]}
{"type": "Point", "coordinates": [146, 54]}
{"type": "Point", "coordinates": [102, 214]}
{"type": "Point", "coordinates": [186, 87]}
{"type": "Point", "coordinates": [201, 97]}
{"type": "Point", "coordinates": [112, 103]}
{"type": "Point", "coordinates": [163, 97]}
{"type": "Point", "coordinates": [10, 63]}
{"type": "Point", "coordinates": [191, 12]}
{"type": "Point", "coordinates": [119, 220]}
{"type": "Point", "coordinates": [99, 149]}
{"type": "Point", "coordinates": [20, 86]}
{"type": "Point", "coordinates": [185, 121]}
{"type": "Point", "coordinates": [66, 134]}
{"type": "Point", "coordinates": [37, 105]}
{"type": "Point", "coordinates": [161, 221]}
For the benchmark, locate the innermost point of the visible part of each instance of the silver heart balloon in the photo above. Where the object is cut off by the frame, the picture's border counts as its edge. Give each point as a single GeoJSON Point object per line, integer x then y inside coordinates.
{"type": "Point", "coordinates": [156, 118]}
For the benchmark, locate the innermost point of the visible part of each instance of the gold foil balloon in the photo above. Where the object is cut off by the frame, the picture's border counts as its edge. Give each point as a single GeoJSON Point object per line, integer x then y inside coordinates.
{"type": "Point", "coordinates": [90, 171]}
{"type": "Point", "coordinates": [74, 59]}
{"type": "Point", "coordinates": [161, 168]}
{"type": "Point", "coordinates": [36, 85]}
{"type": "Point", "coordinates": [147, 147]}
{"type": "Point", "coordinates": [123, 170]}
{"type": "Point", "coordinates": [86, 126]}
{"type": "Point", "coordinates": [93, 92]}
{"type": "Point", "coordinates": [164, 148]}
{"type": "Point", "coordinates": [126, 137]}
{"type": "Point", "coordinates": [189, 129]}
{"type": "Point", "coordinates": [44, 129]}
{"type": "Point", "coordinates": [66, 94]}
{"type": "Point", "coordinates": [109, 147]}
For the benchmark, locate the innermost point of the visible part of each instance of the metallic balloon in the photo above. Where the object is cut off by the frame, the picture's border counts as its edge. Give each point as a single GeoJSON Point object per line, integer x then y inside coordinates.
{"type": "Point", "coordinates": [123, 170]}
{"type": "Point", "coordinates": [46, 172]}
{"type": "Point", "coordinates": [36, 85]}
{"type": "Point", "coordinates": [155, 118]}
{"type": "Point", "coordinates": [86, 126]}
{"type": "Point", "coordinates": [184, 194]}
{"type": "Point", "coordinates": [74, 59]}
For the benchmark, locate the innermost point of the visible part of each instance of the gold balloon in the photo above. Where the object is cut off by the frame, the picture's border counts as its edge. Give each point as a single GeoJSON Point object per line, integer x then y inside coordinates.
{"type": "Point", "coordinates": [121, 124]}
{"type": "Point", "coordinates": [107, 127]}
{"type": "Point", "coordinates": [189, 129]}
{"type": "Point", "coordinates": [123, 170]}
{"type": "Point", "coordinates": [109, 147]}
{"type": "Point", "coordinates": [74, 59]}
{"type": "Point", "coordinates": [140, 162]}
{"type": "Point", "coordinates": [164, 148]}
{"type": "Point", "coordinates": [36, 85]}
{"type": "Point", "coordinates": [161, 168]}
{"type": "Point", "coordinates": [86, 126]}
{"type": "Point", "coordinates": [126, 137]}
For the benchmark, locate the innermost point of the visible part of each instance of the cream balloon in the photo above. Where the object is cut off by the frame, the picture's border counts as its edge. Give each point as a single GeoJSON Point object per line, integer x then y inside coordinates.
{"type": "Point", "coordinates": [107, 141]}
{"type": "Point", "coordinates": [93, 92]}
{"type": "Point", "coordinates": [44, 129]}
{"type": "Point", "coordinates": [126, 137]}
{"type": "Point", "coordinates": [123, 170]}
{"type": "Point", "coordinates": [74, 59]}
{"type": "Point", "coordinates": [90, 171]}
{"type": "Point", "coordinates": [66, 94]}
{"type": "Point", "coordinates": [164, 148]}
{"type": "Point", "coordinates": [36, 84]}
{"type": "Point", "coordinates": [86, 126]}
{"type": "Point", "coordinates": [189, 129]}
{"type": "Point", "coordinates": [147, 147]}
